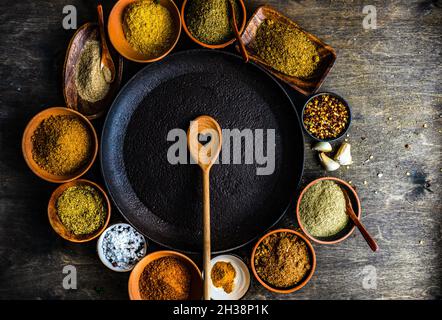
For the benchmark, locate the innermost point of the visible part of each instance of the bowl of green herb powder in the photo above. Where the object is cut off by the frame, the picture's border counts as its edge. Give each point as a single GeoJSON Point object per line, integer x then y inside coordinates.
{"type": "Point", "coordinates": [321, 210]}
{"type": "Point", "coordinates": [79, 210]}
{"type": "Point", "coordinates": [209, 22]}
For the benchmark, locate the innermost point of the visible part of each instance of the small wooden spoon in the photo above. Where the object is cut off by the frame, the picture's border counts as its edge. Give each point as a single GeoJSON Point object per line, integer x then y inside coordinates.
{"type": "Point", "coordinates": [205, 156]}
{"type": "Point", "coordinates": [371, 242]}
{"type": "Point", "coordinates": [106, 58]}
{"type": "Point", "coordinates": [242, 47]}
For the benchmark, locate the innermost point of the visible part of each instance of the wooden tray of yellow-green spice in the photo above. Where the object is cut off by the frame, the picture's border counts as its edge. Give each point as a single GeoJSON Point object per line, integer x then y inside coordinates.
{"type": "Point", "coordinates": [326, 54]}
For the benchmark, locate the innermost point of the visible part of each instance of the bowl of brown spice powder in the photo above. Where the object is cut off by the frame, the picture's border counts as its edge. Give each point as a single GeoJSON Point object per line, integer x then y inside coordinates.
{"type": "Point", "coordinates": [283, 261]}
{"type": "Point", "coordinates": [59, 144]}
{"type": "Point", "coordinates": [165, 275]}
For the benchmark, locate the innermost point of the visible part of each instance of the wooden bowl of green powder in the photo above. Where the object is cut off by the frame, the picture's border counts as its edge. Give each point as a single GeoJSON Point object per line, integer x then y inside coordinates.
{"type": "Point", "coordinates": [321, 210]}
{"type": "Point", "coordinates": [79, 211]}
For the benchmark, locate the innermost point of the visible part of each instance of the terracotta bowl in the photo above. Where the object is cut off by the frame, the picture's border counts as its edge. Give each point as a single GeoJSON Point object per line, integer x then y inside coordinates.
{"type": "Point", "coordinates": [27, 144]}
{"type": "Point", "coordinates": [214, 46]}
{"type": "Point", "coordinates": [55, 221]}
{"type": "Point", "coordinates": [196, 282]}
{"type": "Point", "coordinates": [307, 277]}
{"type": "Point", "coordinates": [118, 40]}
{"type": "Point", "coordinates": [348, 230]}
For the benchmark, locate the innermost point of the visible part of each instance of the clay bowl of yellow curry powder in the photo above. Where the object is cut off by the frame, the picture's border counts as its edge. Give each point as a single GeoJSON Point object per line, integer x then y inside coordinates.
{"type": "Point", "coordinates": [321, 210]}
{"type": "Point", "coordinates": [79, 211]}
{"type": "Point", "coordinates": [283, 261]}
{"type": "Point", "coordinates": [59, 144]}
{"type": "Point", "coordinates": [144, 30]}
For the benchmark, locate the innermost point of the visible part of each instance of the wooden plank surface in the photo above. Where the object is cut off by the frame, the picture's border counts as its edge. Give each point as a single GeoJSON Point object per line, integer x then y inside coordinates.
{"type": "Point", "coordinates": [392, 78]}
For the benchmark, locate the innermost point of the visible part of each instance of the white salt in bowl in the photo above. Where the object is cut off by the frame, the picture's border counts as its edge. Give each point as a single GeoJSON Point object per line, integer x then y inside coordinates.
{"type": "Point", "coordinates": [102, 256]}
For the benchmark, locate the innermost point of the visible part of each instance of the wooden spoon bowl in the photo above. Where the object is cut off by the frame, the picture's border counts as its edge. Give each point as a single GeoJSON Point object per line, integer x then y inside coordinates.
{"type": "Point", "coordinates": [55, 221]}
{"type": "Point", "coordinates": [27, 144]}
{"type": "Point", "coordinates": [91, 110]}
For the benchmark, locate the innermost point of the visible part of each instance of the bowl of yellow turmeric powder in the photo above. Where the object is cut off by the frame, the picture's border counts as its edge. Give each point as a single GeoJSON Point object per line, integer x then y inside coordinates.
{"type": "Point", "coordinates": [144, 30]}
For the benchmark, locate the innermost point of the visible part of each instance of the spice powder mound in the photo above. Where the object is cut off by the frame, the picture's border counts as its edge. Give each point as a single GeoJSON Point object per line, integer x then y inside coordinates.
{"type": "Point", "coordinates": [323, 209]}
{"type": "Point", "coordinates": [210, 20]}
{"type": "Point", "coordinates": [223, 276]}
{"type": "Point", "coordinates": [81, 209]}
{"type": "Point", "coordinates": [148, 27]}
{"type": "Point", "coordinates": [286, 49]}
{"type": "Point", "coordinates": [282, 260]}
{"type": "Point", "coordinates": [166, 278]}
{"type": "Point", "coordinates": [61, 145]}
{"type": "Point", "coordinates": [90, 80]}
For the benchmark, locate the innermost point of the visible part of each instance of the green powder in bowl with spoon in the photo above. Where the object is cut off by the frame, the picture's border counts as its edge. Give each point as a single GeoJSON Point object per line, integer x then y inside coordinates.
{"type": "Point", "coordinates": [323, 209]}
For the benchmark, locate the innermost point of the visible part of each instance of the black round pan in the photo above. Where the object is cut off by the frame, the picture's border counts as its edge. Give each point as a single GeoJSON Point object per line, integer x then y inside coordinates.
{"type": "Point", "coordinates": [164, 201]}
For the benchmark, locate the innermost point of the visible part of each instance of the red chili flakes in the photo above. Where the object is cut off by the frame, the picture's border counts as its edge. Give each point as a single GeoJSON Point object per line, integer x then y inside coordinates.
{"type": "Point", "coordinates": [326, 116]}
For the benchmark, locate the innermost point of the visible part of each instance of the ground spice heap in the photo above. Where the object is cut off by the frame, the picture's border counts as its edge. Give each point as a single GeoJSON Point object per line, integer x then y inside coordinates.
{"type": "Point", "coordinates": [166, 278]}
{"type": "Point", "coordinates": [326, 116]}
{"type": "Point", "coordinates": [61, 145]}
{"type": "Point", "coordinates": [209, 20]}
{"type": "Point", "coordinates": [282, 260]}
{"type": "Point", "coordinates": [223, 276]}
{"type": "Point", "coordinates": [81, 209]}
{"type": "Point", "coordinates": [148, 27]}
{"type": "Point", "coordinates": [90, 80]}
{"type": "Point", "coordinates": [286, 49]}
{"type": "Point", "coordinates": [323, 209]}
{"type": "Point", "coordinates": [123, 246]}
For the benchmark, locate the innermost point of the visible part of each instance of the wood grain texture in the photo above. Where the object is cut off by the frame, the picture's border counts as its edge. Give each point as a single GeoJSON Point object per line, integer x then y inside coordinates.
{"type": "Point", "coordinates": [391, 76]}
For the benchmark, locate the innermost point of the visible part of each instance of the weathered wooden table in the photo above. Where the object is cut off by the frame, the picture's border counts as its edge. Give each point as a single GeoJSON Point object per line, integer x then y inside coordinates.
{"type": "Point", "coordinates": [391, 76]}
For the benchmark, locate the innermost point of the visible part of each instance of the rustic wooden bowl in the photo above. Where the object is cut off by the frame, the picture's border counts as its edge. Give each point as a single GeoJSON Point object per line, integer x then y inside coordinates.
{"type": "Point", "coordinates": [307, 277]}
{"type": "Point", "coordinates": [27, 144]}
{"type": "Point", "coordinates": [346, 232]}
{"type": "Point", "coordinates": [55, 221]}
{"type": "Point", "coordinates": [196, 282]}
{"type": "Point", "coordinates": [326, 53]}
{"type": "Point", "coordinates": [91, 110]}
{"type": "Point", "coordinates": [118, 40]}
{"type": "Point", "coordinates": [213, 46]}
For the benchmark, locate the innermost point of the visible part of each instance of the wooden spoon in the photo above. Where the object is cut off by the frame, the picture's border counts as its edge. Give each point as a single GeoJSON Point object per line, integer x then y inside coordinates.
{"type": "Point", "coordinates": [371, 242]}
{"type": "Point", "coordinates": [242, 47]}
{"type": "Point", "coordinates": [205, 156]}
{"type": "Point", "coordinates": [107, 64]}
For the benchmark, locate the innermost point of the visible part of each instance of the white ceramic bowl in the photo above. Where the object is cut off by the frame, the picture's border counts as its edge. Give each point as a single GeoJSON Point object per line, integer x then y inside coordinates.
{"type": "Point", "coordinates": [101, 253]}
{"type": "Point", "coordinates": [241, 283]}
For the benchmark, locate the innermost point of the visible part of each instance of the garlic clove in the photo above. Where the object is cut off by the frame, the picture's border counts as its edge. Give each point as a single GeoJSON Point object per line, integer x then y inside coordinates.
{"type": "Point", "coordinates": [343, 156]}
{"type": "Point", "coordinates": [328, 163]}
{"type": "Point", "coordinates": [322, 147]}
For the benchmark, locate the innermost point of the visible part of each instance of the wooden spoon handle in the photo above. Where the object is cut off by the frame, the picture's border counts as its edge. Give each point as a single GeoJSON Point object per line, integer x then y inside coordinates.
{"type": "Point", "coordinates": [101, 27]}
{"type": "Point", "coordinates": [371, 242]}
{"type": "Point", "coordinates": [242, 47]}
{"type": "Point", "coordinates": [206, 233]}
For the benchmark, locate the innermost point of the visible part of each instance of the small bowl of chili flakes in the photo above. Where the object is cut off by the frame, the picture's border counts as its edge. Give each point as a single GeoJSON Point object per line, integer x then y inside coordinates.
{"type": "Point", "coordinates": [326, 116]}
